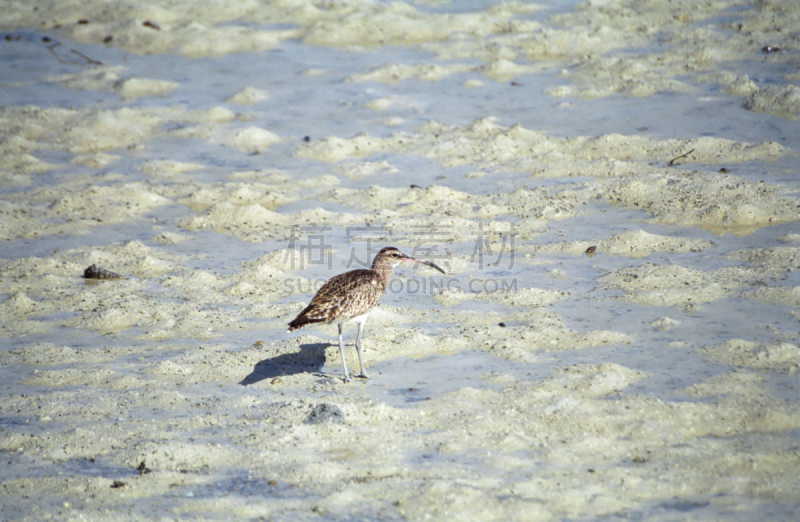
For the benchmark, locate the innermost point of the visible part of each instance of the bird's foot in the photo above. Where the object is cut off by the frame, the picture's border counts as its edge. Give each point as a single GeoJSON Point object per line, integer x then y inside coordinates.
{"type": "Point", "coordinates": [363, 374]}
{"type": "Point", "coordinates": [347, 377]}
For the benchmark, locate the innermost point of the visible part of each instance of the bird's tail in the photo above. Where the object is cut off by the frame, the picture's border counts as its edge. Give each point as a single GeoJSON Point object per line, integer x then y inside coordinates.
{"type": "Point", "coordinates": [302, 320]}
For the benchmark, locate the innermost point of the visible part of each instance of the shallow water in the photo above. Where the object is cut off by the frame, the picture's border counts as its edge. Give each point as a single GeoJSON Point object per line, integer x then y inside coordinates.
{"type": "Point", "coordinates": [592, 401]}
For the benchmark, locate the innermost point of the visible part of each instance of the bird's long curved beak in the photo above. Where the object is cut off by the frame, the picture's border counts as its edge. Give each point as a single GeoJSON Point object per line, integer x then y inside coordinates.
{"type": "Point", "coordinates": [409, 259]}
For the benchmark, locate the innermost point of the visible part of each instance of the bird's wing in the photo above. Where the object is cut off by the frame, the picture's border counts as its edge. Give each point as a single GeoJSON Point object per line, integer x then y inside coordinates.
{"type": "Point", "coordinates": [343, 296]}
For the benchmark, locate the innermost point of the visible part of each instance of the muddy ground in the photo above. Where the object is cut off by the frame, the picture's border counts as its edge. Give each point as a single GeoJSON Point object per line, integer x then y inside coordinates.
{"type": "Point", "coordinates": [612, 188]}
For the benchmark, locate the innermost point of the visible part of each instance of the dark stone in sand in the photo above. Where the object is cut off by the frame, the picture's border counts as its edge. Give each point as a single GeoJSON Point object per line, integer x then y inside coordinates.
{"type": "Point", "coordinates": [325, 413]}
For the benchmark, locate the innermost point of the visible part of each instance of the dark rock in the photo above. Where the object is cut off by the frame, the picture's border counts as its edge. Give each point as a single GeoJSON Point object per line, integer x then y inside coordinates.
{"type": "Point", "coordinates": [325, 413]}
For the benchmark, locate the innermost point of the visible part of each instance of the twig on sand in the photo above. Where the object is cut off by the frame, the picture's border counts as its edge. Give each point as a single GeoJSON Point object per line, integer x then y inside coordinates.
{"type": "Point", "coordinates": [673, 160]}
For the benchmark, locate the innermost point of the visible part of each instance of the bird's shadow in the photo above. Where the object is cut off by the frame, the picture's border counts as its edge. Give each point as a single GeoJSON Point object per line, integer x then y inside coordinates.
{"type": "Point", "coordinates": [310, 359]}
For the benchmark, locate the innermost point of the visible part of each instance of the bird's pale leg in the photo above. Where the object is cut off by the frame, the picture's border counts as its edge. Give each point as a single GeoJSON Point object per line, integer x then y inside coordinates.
{"type": "Point", "coordinates": [341, 350]}
{"type": "Point", "coordinates": [358, 348]}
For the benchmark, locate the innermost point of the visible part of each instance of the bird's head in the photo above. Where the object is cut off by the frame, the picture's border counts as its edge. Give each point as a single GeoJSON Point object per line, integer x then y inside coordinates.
{"type": "Point", "coordinates": [390, 257]}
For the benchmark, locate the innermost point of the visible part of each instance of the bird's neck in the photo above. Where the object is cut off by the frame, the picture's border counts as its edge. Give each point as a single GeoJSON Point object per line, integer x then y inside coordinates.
{"type": "Point", "coordinates": [384, 272]}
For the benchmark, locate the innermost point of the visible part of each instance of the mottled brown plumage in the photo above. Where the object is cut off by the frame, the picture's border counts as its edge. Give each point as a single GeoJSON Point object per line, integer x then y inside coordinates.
{"type": "Point", "coordinates": [352, 296]}
{"type": "Point", "coordinates": [343, 297]}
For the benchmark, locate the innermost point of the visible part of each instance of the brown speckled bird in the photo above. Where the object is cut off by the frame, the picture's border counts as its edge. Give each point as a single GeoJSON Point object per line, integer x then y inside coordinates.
{"type": "Point", "coordinates": [352, 296]}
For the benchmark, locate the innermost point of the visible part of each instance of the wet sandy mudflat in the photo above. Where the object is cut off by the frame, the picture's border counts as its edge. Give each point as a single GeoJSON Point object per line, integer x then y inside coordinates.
{"type": "Point", "coordinates": [612, 187]}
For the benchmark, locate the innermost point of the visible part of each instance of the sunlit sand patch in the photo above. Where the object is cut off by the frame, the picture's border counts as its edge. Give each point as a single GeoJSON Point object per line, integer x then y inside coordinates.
{"type": "Point", "coordinates": [315, 71]}
{"type": "Point", "coordinates": [673, 285]}
{"type": "Point", "coordinates": [253, 222]}
{"type": "Point", "coordinates": [198, 285]}
{"type": "Point", "coordinates": [21, 317]}
{"type": "Point", "coordinates": [789, 296]}
{"type": "Point", "coordinates": [17, 169]}
{"type": "Point", "coordinates": [250, 140]}
{"type": "Point", "coordinates": [776, 100]}
{"type": "Point", "coordinates": [361, 169]}
{"type": "Point", "coordinates": [168, 30]}
{"type": "Point", "coordinates": [90, 130]}
{"type": "Point", "coordinates": [445, 201]}
{"type": "Point", "coordinates": [512, 296]}
{"type": "Point", "coordinates": [284, 259]}
{"type": "Point", "coordinates": [664, 324]}
{"type": "Point", "coordinates": [635, 244]}
{"type": "Point", "coordinates": [486, 144]}
{"type": "Point", "coordinates": [535, 329]}
{"type": "Point", "coordinates": [170, 238]}
{"type": "Point", "coordinates": [451, 213]}
{"type": "Point", "coordinates": [154, 318]}
{"type": "Point", "coordinates": [249, 96]}
{"type": "Point", "coordinates": [47, 287]}
{"type": "Point", "coordinates": [53, 210]}
{"type": "Point", "coordinates": [783, 357]}
{"type": "Point", "coordinates": [99, 77]}
{"type": "Point", "coordinates": [277, 274]}
{"type": "Point", "coordinates": [502, 70]}
{"type": "Point", "coordinates": [133, 88]}
{"type": "Point", "coordinates": [97, 160]}
{"type": "Point", "coordinates": [402, 24]}
{"type": "Point", "coordinates": [392, 73]}
{"type": "Point", "coordinates": [604, 76]}
{"type": "Point", "coordinates": [770, 261]}
{"type": "Point", "coordinates": [111, 78]}
{"type": "Point", "coordinates": [199, 197]}
{"type": "Point", "coordinates": [394, 103]}
{"type": "Point", "coordinates": [720, 203]}
{"type": "Point", "coordinates": [559, 408]}
{"type": "Point", "coordinates": [167, 169]}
